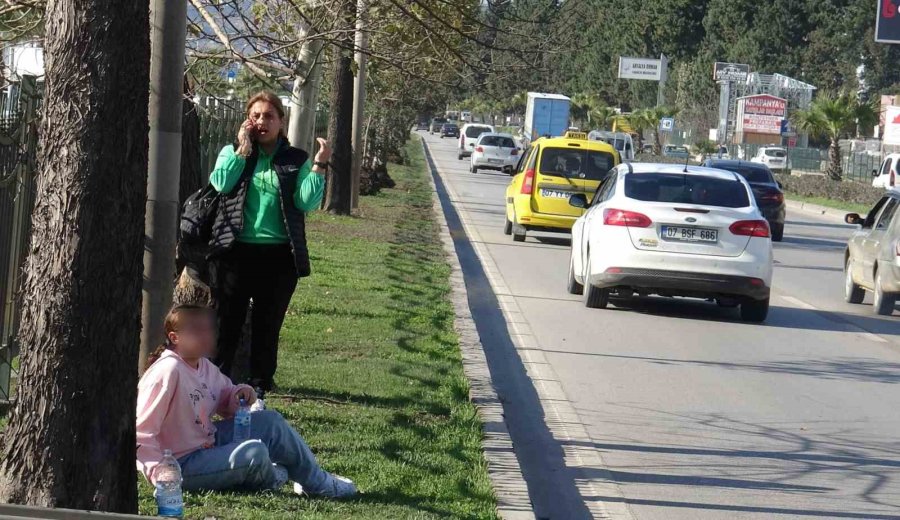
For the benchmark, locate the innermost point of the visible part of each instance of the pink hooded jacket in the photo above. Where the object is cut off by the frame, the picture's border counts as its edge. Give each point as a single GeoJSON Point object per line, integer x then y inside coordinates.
{"type": "Point", "coordinates": [175, 406]}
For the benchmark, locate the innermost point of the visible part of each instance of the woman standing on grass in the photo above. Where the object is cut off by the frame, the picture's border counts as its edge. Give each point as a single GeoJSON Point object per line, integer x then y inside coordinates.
{"type": "Point", "coordinates": [259, 236]}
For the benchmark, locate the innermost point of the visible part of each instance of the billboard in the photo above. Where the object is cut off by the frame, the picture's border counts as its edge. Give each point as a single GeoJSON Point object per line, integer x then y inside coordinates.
{"type": "Point", "coordinates": [891, 125]}
{"type": "Point", "coordinates": [731, 72]}
{"type": "Point", "coordinates": [640, 68]}
{"type": "Point", "coordinates": [887, 22]}
{"type": "Point", "coordinates": [761, 114]}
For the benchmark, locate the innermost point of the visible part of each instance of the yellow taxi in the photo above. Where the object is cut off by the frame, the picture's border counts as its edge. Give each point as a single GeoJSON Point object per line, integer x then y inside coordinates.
{"type": "Point", "coordinates": [552, 170]}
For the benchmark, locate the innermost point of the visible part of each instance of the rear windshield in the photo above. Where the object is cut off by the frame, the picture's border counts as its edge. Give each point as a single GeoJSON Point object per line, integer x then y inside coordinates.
{"type": "Point", "coordinates": [775, 153]}
{"type": "Point", "coordinates": [757, 175]}
{"type": "Point", "coordinates": [496, 140]}
{"type": "Point", "coordinates": [686, 189]}
{"type": "Point", "coordinates": [577, 163]}
{"type": "Point", "coordinates": [451, 127]}
{"type": "Point", "coordinates": [475, 131]}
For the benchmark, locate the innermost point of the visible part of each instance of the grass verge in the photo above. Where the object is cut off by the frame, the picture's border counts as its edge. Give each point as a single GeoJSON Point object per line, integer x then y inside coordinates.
{"type": "Point", "coordinates": [370, 371]}
{"type": "Point", "coordinates": [849, 207]}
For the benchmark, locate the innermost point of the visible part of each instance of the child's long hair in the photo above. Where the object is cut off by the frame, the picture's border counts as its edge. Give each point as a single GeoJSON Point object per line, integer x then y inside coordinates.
{"type": "Point", "coordinates": [173, 322]}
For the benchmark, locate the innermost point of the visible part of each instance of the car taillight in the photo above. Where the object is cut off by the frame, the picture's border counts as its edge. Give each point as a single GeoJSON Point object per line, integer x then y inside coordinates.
{"type": "Point", "coordinates": [479, 149]}
{"type": "Point", "coordinates": [515, 151]}
{"type": "Point", "coordinates": [750, 228]}
{"type": "Point", "coordinates": [773, 197]}
{"type": "Point", "coordinates": [620, 217]}
{"type": "Point", "coordinates": [528, 182]}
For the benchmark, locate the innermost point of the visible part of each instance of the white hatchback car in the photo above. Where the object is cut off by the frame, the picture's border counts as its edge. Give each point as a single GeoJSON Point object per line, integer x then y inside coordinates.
{"type": "Point", "coordinates": [495, 152]}
{"type": "Point", "coordinates": [672, 230]}
{"type": "Point", "coordinates": [775, 157]}
{"type": "Point", "coordinates": [468, 136]}
{"type": "Point", "coordinates": [886, 174]}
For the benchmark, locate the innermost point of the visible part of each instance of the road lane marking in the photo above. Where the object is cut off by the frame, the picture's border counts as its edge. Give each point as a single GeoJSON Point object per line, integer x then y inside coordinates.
{"type": "Point", "coordinates": [561, 417]}
{"type": "Point", "coordinates": [796, 302]}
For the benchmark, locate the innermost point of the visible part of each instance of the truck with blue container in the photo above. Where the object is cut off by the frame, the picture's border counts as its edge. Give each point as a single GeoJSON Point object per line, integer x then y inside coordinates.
{"type": "Point", "coordinates": [546, 115]}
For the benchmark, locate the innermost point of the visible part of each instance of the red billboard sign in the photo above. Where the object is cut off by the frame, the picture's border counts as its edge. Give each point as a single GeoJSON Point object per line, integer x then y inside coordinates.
{"type": "Point", "coordinates": [887, 22]}
{"type": "Point", "coordinates": [761, 114]}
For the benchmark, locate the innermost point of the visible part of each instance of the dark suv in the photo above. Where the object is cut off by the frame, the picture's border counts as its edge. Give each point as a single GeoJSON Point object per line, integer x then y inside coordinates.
{"type": "Point", "coordinates": [449, 130]}
{"type": "Point", "coordinates": [766, 190]}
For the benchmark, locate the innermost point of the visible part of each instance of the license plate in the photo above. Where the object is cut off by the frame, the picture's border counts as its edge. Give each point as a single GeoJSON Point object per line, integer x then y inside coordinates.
{"type": "Point", "coordinates": [495, 161]}
{"type": "Point", "coordinates": [689, 234]}
{"type": "Point", "coordinates": [554, 194]}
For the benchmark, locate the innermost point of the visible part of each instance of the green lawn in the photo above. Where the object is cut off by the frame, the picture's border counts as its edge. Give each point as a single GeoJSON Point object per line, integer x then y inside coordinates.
{"type": "Point", "coordinates": [370, 371]}
{"type": "Point", "coordinates": [849, 207]}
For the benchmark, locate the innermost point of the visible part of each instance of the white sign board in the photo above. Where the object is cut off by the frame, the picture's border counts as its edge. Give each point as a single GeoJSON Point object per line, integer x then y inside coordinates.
{"type": "Point", "coordinates": [891, 125]}
{"type": "Point", "coordinates": [666, 124]}
{"type": "Point", "coordinates": [640, 68]}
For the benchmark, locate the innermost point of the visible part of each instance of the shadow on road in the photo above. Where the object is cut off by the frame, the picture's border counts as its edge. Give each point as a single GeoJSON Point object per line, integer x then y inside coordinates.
{"type": "Point", "coordinates": [551, 484]}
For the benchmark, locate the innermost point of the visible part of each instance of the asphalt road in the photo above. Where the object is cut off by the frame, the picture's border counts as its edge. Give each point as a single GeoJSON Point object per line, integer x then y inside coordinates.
{"type": "Point", "coordinates": [675, 409]}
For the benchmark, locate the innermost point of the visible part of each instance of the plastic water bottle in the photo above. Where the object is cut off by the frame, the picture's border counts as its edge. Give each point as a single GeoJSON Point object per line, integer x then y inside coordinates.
{"type": "Point", "coordinates": [242, 423]}
{"type": "Point", "coordinates": [168, 487]}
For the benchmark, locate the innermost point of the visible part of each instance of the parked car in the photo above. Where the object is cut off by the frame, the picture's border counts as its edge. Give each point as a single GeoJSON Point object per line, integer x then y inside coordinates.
{"type": "Point", "coordinates": [553, 169]}
{"type": "Point", "coordinates": [679, 151]}
{"type": "Point", "coordinates": [449, 130]}
{"type": "Point", "coordinates": [672, 230]}
{"type": "Point", "coordinates": [766, 190]}
{"type": "Point", "coordinates": [495, 152]}
{"type": "Point", "coordinates": [468, 136]}
{"type": "Point", "coordinates": [422, 124]}
{"type": "Point", "coordinates": [872, 258]}
{"type": "Point", "coordinates": [436, 125]}
{"type": "Point", "coordinates": [775, 157]}
{"type": "Point", "coordinates": [886, 175]}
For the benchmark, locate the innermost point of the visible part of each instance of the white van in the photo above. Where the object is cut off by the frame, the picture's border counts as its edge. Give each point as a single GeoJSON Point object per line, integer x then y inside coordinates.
{"type": "Point", "coordinates": [886, 175]}
{"type": "Point", "coordinates": [621, 141]}
{"type": "Point", "coordinates": [468, 136]}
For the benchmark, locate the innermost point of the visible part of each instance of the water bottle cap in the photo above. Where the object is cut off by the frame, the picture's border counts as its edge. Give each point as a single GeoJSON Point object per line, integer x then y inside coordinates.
{"type": "Point", "coordinates": [167, 453]}
{"type": "Point", "coordinates": [243, 402]}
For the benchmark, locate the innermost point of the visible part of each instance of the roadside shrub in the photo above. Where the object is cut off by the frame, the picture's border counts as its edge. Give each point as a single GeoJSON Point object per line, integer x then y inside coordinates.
{"type": "Point", "coordinates": [821, 186]}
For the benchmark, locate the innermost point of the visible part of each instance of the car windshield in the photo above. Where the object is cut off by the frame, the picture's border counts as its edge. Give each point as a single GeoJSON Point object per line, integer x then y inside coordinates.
{"type": "Point", "coordinates": [497, 140]}
{"type": "Point", "coordinates": [753, 175]}
{"type": "Point", "coordinates": [450, 127]}
{"type": "Point", "coordinates": [572, 162]}
{"type": "Point", "coordinates": [775, 153]}
{"type": "Point", "coordinates": [681, 188]}
{"type": "Point", "coordinates": [475, 131]}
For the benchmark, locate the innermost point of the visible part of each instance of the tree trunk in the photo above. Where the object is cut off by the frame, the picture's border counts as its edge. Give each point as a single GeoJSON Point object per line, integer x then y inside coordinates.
{"type": "Point", "coordinates": [657, 143]}
{"type": "Point", "coordinates": [70, 441]}
{"type": "Point", "coordinates": [835, 171]}
{"type": "Point", "coordinates": [340, 134]}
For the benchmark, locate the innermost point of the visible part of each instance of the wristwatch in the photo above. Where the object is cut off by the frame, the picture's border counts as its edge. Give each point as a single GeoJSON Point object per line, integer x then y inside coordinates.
{"type": "Point", "coordinates": [323, 165]}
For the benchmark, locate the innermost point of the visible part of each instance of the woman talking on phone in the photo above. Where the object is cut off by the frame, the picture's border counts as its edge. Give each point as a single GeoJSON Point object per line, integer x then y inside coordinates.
{"type": "Point", "coordinates": [259, 238]}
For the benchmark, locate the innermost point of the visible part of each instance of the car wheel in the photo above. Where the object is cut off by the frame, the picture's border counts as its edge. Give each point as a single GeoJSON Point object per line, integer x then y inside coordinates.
{"type": "Point", "coordinates": [755, 310]}
{"type": "Point", "coordinates": [853, 293]}
{"type": "Point", "coordinates": [593, 297]}
{"type": "Point", "coordinates": [883, 301]}
{"type": "Point", "coordinates": [459, 156]}
{"type": "Point", "coordinates": [572, 284]}
{"type": "Point", "coordinates": [507, 228]}
{"type": "Point", "coordinates": [777, 233]}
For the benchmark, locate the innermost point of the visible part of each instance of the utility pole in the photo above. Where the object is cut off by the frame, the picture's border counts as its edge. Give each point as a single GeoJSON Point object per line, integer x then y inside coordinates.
{"type": "Point", "coordinates": [663, 76]}
{"type": "Point", "coordinates": [361, 44]}
{"type": "Point", "coordinates": [168, 23]}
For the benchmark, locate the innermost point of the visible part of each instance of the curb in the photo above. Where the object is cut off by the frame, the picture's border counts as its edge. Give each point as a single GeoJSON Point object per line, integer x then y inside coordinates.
{"type": "Point", "coordinates": [832, 213]}
{"type": "Point", "coordinates": [510, 489]}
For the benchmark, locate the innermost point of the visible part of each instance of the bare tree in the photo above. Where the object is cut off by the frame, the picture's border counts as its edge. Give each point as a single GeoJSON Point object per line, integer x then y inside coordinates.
{"type": "Point", "coordinates": [70, 439]}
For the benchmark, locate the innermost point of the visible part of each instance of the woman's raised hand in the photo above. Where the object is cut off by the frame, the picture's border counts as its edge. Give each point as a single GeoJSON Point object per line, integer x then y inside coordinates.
{"type": "Point", "coordinates": [245, 138]}
{"type": "Point", "coordinates": [324, 153]}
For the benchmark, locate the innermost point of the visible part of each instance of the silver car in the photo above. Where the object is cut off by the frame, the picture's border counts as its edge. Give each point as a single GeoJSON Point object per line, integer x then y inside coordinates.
{"type": "Point", "coordinates": [872, 260]}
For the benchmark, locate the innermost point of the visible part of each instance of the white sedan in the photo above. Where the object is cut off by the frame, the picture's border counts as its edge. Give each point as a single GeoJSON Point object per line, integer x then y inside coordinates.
{"type": "Point", "coordinates": [672, 230]}
{"type": "Point", "coordinates": [494, 152]}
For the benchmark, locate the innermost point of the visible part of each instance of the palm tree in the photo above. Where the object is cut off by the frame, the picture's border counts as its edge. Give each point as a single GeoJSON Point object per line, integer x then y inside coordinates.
{"type": "Point", "coordinates": [638, 122]}
{"type": "Point", "coordinates": [603, 116]}
{"type": "Point", "coordinates": [705, 148]}
{"type": "Point", "coordinates": [835, 117]}
{"type": "Point", "coordinates": [652, 117]}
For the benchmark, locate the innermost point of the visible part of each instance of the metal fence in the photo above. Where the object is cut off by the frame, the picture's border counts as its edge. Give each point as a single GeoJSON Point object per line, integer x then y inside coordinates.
{"type": "Point", "coordinates": [18, 145]}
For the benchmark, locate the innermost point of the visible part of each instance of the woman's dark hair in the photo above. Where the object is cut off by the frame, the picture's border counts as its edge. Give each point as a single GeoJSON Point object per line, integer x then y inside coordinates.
{"type": "Point", "coordinates": [173, 323]}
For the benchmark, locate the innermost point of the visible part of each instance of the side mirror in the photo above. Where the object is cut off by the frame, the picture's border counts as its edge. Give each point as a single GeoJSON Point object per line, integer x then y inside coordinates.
{"type": "Point", "coordinates": [578, 200]}
{"type": "Point", "coordinates": [853, 218]}
{"type": "Point", "coordinates": [874, 173]}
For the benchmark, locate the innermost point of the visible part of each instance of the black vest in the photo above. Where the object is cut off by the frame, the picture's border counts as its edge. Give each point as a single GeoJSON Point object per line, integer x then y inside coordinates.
{"type": "Point", "coordinates": [230, 218]}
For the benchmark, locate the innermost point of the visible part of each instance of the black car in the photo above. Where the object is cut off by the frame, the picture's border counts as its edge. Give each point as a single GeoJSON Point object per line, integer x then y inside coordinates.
{"type": "Point", "coordinates": [422, 124]}
{"type": "Point", "coordinates": [766, 190]}
{"type": "Point", "coordinates": [449, 130]}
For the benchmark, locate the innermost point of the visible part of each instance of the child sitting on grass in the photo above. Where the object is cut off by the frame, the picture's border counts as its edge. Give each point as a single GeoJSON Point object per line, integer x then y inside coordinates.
{"type": "Point", "coordinates": [178, 395]}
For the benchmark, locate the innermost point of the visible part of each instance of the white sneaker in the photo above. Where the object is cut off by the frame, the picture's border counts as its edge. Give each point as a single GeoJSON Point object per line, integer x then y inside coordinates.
{"type": "Point", "coordinates": [281, 476]}
{"type": "Point", "coordinates": [336, 486]}
{"type": "Point", "coordinates": [258, 405]}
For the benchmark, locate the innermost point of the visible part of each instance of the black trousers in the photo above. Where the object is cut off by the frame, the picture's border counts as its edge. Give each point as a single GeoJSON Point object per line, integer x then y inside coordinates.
{"type": "Point", "coordinates": [266, 274]}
